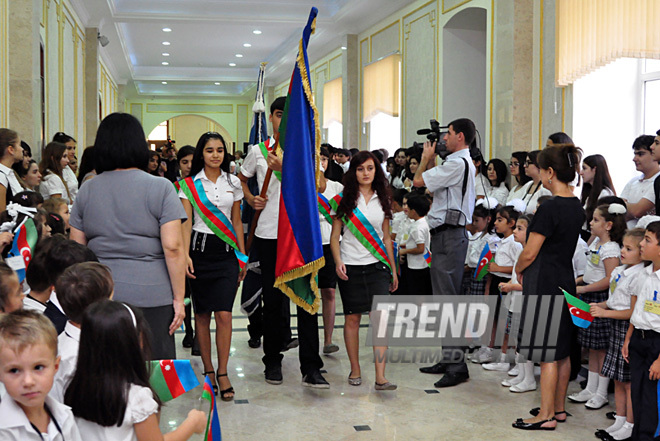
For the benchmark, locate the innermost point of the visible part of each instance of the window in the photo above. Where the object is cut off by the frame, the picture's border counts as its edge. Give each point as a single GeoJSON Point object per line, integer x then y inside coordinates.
{"type": "Point", "coordinates": [332, 112]}
{"type": "Point", "coordinates": [381, 94]}
{"type": "Point", "coordinates": [651, 90]}
{"type": "Point", "coordinates": [159, 133]}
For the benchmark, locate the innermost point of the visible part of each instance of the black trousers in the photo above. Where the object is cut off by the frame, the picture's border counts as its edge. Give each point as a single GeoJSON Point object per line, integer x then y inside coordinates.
{"type": "Point", "coordinates": [273, 326]}
{"type": "Point", "coordinates": [644, 349]}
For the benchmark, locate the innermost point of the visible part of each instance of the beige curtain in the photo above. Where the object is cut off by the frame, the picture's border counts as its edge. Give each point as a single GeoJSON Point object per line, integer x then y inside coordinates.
{"type": "Point", "coordinates": [380, 87]}
{"type": "Point", "coordinates": [332, 102]}
{"type": "Point", "coordinates": [593, 33]}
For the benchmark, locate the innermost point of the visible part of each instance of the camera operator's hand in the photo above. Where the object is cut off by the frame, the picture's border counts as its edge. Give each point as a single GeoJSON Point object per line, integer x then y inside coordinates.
{"type": "Point", "coordinates": [429, 151]}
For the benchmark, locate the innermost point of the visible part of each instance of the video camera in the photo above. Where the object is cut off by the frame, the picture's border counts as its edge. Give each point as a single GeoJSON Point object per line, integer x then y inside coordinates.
{"type": "Point", "coordinates": [436, 134]}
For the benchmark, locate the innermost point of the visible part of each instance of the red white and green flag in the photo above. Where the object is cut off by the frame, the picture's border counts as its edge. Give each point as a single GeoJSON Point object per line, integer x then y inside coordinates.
{"type": "Point", "coordinates": [213, 432]}
{"type": "Point", "coordinates": [20, 254]}
{"type": "Point", "coordinates": [172, 378]}
{"type": "Point", "coordinates": [482, 268]}
{"type": "Point", "coordinates": [579, 310]}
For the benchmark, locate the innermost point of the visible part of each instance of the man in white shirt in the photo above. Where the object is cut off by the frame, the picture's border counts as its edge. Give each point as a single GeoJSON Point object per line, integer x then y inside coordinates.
{"type": "Point", "coordinates": [452, 185]}
{"type": "Point", "coordinates": [638, 193]}
{"type": "Point", "coordinates": [266, 243]}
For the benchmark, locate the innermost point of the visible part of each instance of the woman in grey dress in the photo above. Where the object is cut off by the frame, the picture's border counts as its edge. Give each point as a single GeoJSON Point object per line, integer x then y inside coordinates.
{"type": "Point", "coordinates": [132, 221]}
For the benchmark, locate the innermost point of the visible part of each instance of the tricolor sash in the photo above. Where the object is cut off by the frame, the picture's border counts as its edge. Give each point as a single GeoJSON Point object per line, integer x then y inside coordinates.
{"type": "Point", "coordinates": [177, 185]}
{"type": "Point", "coordinates": [265, 149]}
{"type": "Point", "coordinates": [324, 208]}
{"type": "Point", "coordinates": [212, 216]}
{"type": "Point", "coordinates": [364, 232]}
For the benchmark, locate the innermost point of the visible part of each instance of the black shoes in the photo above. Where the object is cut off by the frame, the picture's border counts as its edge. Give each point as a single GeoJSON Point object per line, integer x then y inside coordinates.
{"type": "Point", "coordinates": [254, 342]}
{"type": "Point", "coordinates": [293, 343]}
{"type": "Point", "coordinates": [187, 341]}
{"type": "Point", "coordinates": [274, 375]}
{"type": "Point", "coordinates": [520, 424]}
{"type": "Point", "coordinates": [452, 379]}
{"type": "Point", "coordinates": [438, 368]}
{"type": "Point", "coordinates": [315, 380]}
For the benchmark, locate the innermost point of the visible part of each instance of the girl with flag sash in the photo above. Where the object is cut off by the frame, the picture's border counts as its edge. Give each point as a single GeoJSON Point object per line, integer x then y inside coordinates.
{"type": "Point", "coordinates": [364, 260]}
{"type": "Point", "coordinates": [211, 197]}
{"type": "Point", "coordinates": [545, 264]}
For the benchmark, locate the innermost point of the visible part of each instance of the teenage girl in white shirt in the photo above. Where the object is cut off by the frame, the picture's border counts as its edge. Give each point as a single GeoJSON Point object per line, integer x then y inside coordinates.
{"type": "Point", "coordinates": [53, 161]}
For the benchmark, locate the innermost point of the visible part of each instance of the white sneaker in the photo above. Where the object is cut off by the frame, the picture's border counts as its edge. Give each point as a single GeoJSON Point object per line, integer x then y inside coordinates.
{"type": "Point", "coordinates": [485, 357]}
{"type": "Point", "coordinates": [581, 397]}
{"type": "Point", "coordinates": [476, 354]}
{"type": "Point", "coordinates": [523, 387]}
{"type": "Point", "coordinates": [511, 381]}
{"type": "Point", "coordinates": [597, 402]}
{"type": "Point", "coordinates": [499, 367]}
{"type": "Point", "coordinates": [514, 371]}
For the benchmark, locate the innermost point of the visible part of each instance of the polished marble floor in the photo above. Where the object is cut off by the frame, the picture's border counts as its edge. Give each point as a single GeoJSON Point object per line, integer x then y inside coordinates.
{"type": "Point", "coordinates": [480, 409]}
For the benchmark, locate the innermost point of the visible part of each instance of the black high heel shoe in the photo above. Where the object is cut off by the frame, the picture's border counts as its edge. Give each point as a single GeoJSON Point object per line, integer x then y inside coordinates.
{"type": "Point", "coordinates": [215, 386]}
{"type": "Point", "coordinates": [224, 394]}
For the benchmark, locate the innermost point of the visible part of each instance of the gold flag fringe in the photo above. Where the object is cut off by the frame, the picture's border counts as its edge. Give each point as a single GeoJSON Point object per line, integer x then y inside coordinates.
{"type": "Point", "coordinates": [312, 269]}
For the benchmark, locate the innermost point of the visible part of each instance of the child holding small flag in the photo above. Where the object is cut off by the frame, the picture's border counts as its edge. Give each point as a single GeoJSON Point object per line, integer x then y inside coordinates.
{"type": "Point", "coordinates": [618, 309]}
{"type": "Point", "coordinates": [117, 402]}
{"type": "Point", "coordinates": [418, 281]}
{"type": "Point", "coordinates": [483, 219]}
{"type": "Point", "coordinates": [641, 347]}
{"type": "Point", "coordinates": [608, 225]}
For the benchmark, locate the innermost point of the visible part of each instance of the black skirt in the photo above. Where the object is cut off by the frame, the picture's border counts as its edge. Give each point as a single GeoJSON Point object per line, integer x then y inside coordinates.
{"type": "Point", "coordinates": [216, 274]}
{"type": "Point", "coordinates": [364, 282]}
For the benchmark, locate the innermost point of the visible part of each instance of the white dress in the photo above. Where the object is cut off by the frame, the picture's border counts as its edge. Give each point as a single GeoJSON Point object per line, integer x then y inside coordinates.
{"type": "Point", "coordinates": [140, 406]}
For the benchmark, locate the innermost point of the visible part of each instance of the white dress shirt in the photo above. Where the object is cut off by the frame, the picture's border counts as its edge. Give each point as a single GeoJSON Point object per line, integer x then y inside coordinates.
{"type": "Point", "coordinates": [332, 189]}
{"type": "Point", "coordinates": [636, 189]}
{"type": "Point", "coordinates": [52, 184]}
{"type": "Point", "coordinates": [646, 288]}
{"type": "Point", "coordinates": [621, 284]}
{"type": "Point", "coordinates": [8, 179]}
{"type": "Point", "coordinates": [507, 254]}
{"type": "Point", "coordinates": [68, 343]}
{"type": "Point", "coordinates": [15, 426]}
{"type": "Point", "coordinates": [598, 252]}
{"type": "Point", "coordinates": [71, 182]}
{"type": "Point", "coordinates": [352, 250]}
{"type": "Point", "coordinates": [419, 234]}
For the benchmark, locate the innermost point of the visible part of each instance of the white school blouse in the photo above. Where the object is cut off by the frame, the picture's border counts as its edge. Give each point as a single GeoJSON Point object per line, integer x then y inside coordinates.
{"type": "Point", "coordinates": [476, 246]}
{"type": "Point", "coordinates": [52, 184]}
{"type": "Point", "coordinates": [598, 252]}
{"type": "Point", "coordinates": [507, 254]}
{"type": "Point", "coordinates": [500, 193]}
{"type": "Point", "coordinates": [647, 287]}
{"type": "Point", "coordinates": [520, 192]}
{"type": "Point", "coordinates": [140, 406]}
{"type": "Point", "coordinates": [352, 251]}
{"type": "Point", "coordinates": [481, 186]}
{"type": "Point", "coordinates": [221, 193]}
{"type": "Point", "coordinates": [621, 284]}
{"type": "Point", "coordinates": [533, 200]}
{"type": "Point", "coordinates": [515, 298]}
{"type": "Point", "coordinates": [15, 426]}
{"type": "Point", "coordinates": [580, 258]}
{"type": "Point", "coordinates": [255, 163]}
{"type": "Point", "coordinates": [419, 233]}
{"type": "Point", "coordinates": [8, 179]}
{"type": "Point", "coordinates": [397, 221]}
{"type": "Point", "coordinates": [332, 189]}
{"type": "Point", "coordinates": [68, 343]}
{"type": "Point", "coordinates": [635, 190]}
{"type": "Point", "coordinates": [71, 182]}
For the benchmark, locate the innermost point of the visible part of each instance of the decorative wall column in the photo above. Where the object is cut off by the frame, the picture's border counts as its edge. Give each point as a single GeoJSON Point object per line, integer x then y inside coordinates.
{"type": "Point", "coordinates": [24, 70]}
{"type": "Point", "coordinates": [91, 84]}
{"type": "Point", "coordinates": [350, 90]}
{"type": "Point", "coordinates": [523, 75]}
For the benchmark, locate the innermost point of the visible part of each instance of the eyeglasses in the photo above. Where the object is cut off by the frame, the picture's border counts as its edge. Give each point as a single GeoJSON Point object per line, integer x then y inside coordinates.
{"type": "Point", "coordinates": [514, 164]}
{"type": "Point", "coordinates": [528, 163]}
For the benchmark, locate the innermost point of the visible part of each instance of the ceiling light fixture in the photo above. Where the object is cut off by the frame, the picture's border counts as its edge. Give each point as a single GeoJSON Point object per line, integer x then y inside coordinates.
{"type": "Point", "coordinates": [256, 32]}
{"type": "Point", "coordinates": [239, 55]}
{"type": "Point", "coordinates": [166, 43]}
{"type": "Point", "coordinates": [343, 48]}
{"type": "Point", "coordinates": [163, 82]}
{"type": "Point", "coordinates": [165, 63]}
{"type": "Point", "coordinates": [232, 64]}
{"type": "Point", "coordinates": [165, 54]}
{"type": "Point", "coordinates": [247, 45]}
{"type": "Point", "coordinates": [167, 30]}
{"type": "Point", "coordinates": [216, 83]}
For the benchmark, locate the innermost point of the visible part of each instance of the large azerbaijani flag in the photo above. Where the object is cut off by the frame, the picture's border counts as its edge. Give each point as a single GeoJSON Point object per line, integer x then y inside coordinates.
{"type": "Point", "coordinates": [172, 378]}
{"type": "Point", "coordinates": [20, 254]}
{"type": "Point", "coordinates": [213, 432]}
{"type": "Point", "coordinates": [579, 310]}
{"type": "Point", "coordinates": [299, 244]}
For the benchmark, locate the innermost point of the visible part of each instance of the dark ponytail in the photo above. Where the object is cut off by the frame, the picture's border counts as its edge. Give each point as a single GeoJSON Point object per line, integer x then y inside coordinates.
{"type": "Point", "coordinates": [564, 159]}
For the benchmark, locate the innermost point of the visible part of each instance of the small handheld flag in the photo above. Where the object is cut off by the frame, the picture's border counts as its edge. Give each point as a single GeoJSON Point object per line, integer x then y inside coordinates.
{"type": "Point", "coordinates": [397, 264]}
{"type": "Point", "coordinates": [579, 310]}
{"type": "Point", "coordinates": [172, 378]}
{"type": "Point", "coordinates": [20, 254]}
{"type": "Point", "coordinates": [482, 268]}
{"type": "Point", "coordinates": [213, 432]}
{"type": "Point", "coordinates": [427, 256]}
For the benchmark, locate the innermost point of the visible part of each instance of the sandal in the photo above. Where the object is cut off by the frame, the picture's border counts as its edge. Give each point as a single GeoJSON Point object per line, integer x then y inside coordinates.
{"type": "Point", "coordinates": [520, 424]}
{"type": "Point", "coordinates": [536, 410]}
{"type": "Point", "coordinates": [354, 381]}
{"type": "Point", "coordinates": [224, 394]}
{"type": "Point", "coordinates": [215, 386]}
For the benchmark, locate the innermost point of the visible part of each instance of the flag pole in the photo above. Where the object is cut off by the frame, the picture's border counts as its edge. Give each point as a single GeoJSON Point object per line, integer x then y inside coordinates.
{"type": "Point", "coordinates": [264, 192]}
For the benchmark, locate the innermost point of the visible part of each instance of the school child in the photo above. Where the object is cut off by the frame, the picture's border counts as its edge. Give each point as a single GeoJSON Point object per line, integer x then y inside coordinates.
{"type": "Point", "coordinates": [11, 296]}
{"type": "Point", "coordinates": [523, 371]}
{"type": "Point", "coordinates": [641, 347]}
{"type": "Point", "coordinates": [28, 362]}
{"type": "Point", "coordinates": [608, 226]}
{"type": "Point", "coordinates": [483, 219]}
{"type": "Point", "coordinates": [500, 269]}
{"type": "Point", "coordinates": [398, 215]}
{"type": "Point", "coordinates": [417, 247]}
{"type": "Point", "coordinates": [403, 227]}
{"type": "Point", "coordinates": [117, 401]}
{"type": "Point", "coordinates": [78, 287]}
{"type": "Point", "coordinates": [618, 309]}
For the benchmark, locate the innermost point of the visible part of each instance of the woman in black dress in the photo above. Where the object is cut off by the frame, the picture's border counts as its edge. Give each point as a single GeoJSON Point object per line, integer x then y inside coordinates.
{"type": "Point", "coordinates": [544, 266]}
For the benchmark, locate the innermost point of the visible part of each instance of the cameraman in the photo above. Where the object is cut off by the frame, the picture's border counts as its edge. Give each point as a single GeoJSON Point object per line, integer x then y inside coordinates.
{"type": "Point", "coordinates": [452, 185]}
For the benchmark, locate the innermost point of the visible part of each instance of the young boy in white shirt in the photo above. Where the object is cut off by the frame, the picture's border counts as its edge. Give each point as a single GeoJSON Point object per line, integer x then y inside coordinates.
{"type": "Point", "coordinates": [28, 362]}
{"type": "Point", "coordinates": [78, 287]}
{"type": "Point", "coordinates": [417, 247]}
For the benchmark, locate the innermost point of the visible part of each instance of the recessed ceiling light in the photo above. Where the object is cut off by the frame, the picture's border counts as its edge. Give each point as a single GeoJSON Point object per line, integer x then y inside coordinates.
{"type": "Point", "coordinates": [163, 82]}
{"type": "Point", "coordinates": [247, 45]}
{"type": "Point", "coordinates": [256, 32]}
{"type": "Point", "coordinates": [239, 55]}
{"type": "Point", "coordinates": [232, 64]}
{"type": "Point", "coordinates": [167, 30]}
{"type": "Point", "coordinates": [166, 43]}
{"type": "Point", "coordinates": [165, 54]}
{"type": "Point", "coordinates": [216, 83]}
{"type": "Point", "coordinates": [343, 48]}
{"type": "Point", "coordinates": [165, 63]}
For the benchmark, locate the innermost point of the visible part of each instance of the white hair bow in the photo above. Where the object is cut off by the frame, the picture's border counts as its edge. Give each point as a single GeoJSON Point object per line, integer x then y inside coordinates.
{"type": "Point", "coordinates": [488, 202]}
{"type": "Point", "coordinates": [644, 221]}
{"type": "Point", "coordinates": [13, 209]}
{"type": "Point", "coordinates": [616, 209]}
{"type": "Point", "coordinates": [518, 204]}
